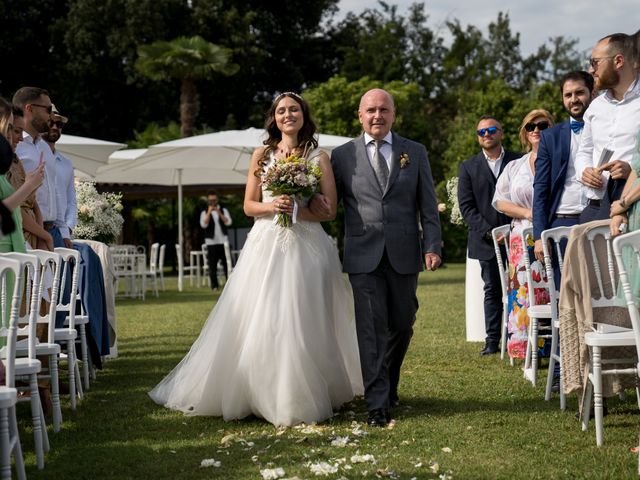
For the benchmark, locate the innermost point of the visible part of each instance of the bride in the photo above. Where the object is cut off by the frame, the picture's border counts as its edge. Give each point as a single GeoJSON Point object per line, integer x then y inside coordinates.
{"type": "Point", "coordinates": [281, 341]}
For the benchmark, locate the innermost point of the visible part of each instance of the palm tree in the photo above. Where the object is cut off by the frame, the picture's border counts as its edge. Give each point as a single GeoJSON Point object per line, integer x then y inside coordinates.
{"type": "Point", "coordinates": [188, 59]}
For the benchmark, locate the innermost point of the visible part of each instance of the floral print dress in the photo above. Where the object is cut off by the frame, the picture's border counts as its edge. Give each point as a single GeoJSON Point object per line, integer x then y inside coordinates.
{"type": "Point", "coordinates": [515, 185]}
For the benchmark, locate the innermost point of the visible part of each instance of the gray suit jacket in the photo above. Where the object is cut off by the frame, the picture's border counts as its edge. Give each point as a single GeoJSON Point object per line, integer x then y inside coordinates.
{"type": "Point", "coordinates": [375, 220]}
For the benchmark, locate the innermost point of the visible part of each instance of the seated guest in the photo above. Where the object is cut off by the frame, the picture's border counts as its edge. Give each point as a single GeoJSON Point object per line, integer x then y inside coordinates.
{"type": "Point", "coordinates": [514, 198]}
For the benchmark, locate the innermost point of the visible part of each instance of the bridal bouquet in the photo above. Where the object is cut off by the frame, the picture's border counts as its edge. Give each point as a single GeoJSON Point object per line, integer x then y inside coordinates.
{"type": "Point", "coordinates": [293, 175]}
{"type": "Point", "coordinates": [99, 215]}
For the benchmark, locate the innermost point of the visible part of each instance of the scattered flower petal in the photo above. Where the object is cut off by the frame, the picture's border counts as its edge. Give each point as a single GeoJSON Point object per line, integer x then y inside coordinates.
{"type": "Point", "coordinates": [434, 466]}
{"type": "Point", "coordinates": [323, 468]}
{"type": "Point", "coordinates": [210, 462]}
{"type": "Point", "coordinates": [446, 450]}
{"type": "Point", "coordinates": [340, 442]}
{"type": "Point", "coordinates": [272, 473]}
{"type": "Point", "coordinates": [418, 465]}
{"type": "Point", "coordinates": [363, 458]}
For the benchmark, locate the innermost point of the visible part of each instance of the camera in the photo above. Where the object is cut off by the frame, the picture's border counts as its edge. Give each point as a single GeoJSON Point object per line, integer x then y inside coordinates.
{"type": "Point", "coordinates": [213, 203]}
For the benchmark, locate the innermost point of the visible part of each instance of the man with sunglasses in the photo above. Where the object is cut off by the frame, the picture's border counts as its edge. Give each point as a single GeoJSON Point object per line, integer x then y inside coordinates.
{"type": "Point", "coordinates": [611, 123]}
{"type": "Point", "coordinates": [66, 204]}
{"type": "Point", "coordinates": [558, 196]}
{"type": "Point", "coordinates": [476, 186]}
{"type": "Point", "coordinates": [36, 106]}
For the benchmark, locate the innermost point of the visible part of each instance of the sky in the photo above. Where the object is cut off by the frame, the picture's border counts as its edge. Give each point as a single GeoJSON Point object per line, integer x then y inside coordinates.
{"type": "Point", "coordinates": [536, 21]}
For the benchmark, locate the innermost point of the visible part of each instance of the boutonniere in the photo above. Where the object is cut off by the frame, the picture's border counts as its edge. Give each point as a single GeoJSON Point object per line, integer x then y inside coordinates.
{"type": "Point", "coordinates": [404, 160]}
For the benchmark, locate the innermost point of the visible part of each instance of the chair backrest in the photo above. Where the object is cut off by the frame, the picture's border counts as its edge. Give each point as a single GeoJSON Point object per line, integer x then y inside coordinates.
{"type": "Point", "coordinates": [10, 300]}
{"type": "Point", "coordinates": [227, 254]}
{"type": "Point", "coordinates": [606, 276]}
{"type": "Point", "coordinates": [153, 257]}
{"type": "Point", "coordinates": [629, 271]}
{"type": "Point", "coordinates": [552, 238]}
{"type": "Point", "coordinates": [30, 307]}
{"type": "Point", "coordinates": [532, 282]}
{"type": "Point", "coordinates": [163, 247]}
{"type": "Point", "coordinates": [500, 235]}
{"type": "Point", "coordinates": [179, 256]}
{"type": "Point", "coordinates": [50, 263]}
{"type": "Point", "coordinates": [70, 266]}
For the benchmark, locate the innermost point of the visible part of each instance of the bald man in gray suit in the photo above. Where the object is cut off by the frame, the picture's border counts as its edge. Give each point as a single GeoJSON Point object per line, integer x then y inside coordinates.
{"type": "Point", "coordinates": [392, 230]}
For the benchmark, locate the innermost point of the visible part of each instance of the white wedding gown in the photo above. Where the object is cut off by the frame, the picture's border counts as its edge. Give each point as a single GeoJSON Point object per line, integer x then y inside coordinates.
{"type": "Point", "coordinates": [281, 341]}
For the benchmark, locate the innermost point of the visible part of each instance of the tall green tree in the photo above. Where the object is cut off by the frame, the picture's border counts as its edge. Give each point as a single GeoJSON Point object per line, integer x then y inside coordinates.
{"type": "Point", "coordinates": [187, 59]}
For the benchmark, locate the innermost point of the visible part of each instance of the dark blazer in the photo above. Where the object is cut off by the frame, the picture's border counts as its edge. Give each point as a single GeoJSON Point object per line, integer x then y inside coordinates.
{"type": "Point", "coordinates": [376, 221]}
{"type": "Point", "coordinates": [476, 186]}
{"type": "Point", "coordinates": [554, 152]}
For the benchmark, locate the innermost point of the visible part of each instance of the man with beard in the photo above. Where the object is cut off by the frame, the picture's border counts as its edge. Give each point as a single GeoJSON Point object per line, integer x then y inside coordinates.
{"type": "Point", "coordinates": [476, 186]}
{"type": "Point", "coordinates": [611, 122]}
{"type": "Point", "coordinates": [36, 107]}
{"type": "Point", "coordinates": [66, 205]}
{"type": "Point", "coordinates": [558, 196]}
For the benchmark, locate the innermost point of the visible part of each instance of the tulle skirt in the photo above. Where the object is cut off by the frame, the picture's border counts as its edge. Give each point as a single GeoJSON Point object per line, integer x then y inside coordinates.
{"type": "Point", "coordinates": [281, 341]}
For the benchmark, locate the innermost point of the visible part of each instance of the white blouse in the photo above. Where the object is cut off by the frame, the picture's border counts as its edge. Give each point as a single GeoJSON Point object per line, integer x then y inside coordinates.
{"type": "Point", "coordinates": [515, 184]}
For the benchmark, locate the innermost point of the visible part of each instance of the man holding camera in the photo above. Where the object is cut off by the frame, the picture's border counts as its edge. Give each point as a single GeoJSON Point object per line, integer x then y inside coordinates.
{"type": "Point", "coordinates": [215, 221]}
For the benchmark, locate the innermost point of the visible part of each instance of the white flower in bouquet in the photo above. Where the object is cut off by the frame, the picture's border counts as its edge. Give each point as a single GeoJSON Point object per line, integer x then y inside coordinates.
{"type": "Point", "coordinates": [452, 193]}
{"type": "Point", "coordinates": [99, 215]}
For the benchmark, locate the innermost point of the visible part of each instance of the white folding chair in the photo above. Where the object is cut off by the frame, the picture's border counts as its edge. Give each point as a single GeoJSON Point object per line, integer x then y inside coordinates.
{"type": "Point", "coordinates": [536, 313]}
{"type": "Point", "coordinates": [552, 238]}
{"type": "Point", "coordinates": [29, 367]}
{"type": "Point", "coordinates": [68, 334]}
{"type": "Point", "coordinates": [190, 269]}
{"type": "Point", "coordinates": [49, 266]}
{"type": "Point", "coordinates": [500, 235]}
{"type": "Point", "coordinates": [10, 299]}
{"type": "Point", "coordinates": [206, 279]}
{"type": "Point", "coordinates": [152, 271]}
{"type": "Point", "coordinates": [605, 336]}
{"type": "Point", "coordinates": [161, 255]}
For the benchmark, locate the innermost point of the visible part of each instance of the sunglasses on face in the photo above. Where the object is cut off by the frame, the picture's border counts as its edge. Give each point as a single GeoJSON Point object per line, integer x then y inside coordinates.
{"type": "Point", "coordinates": [490, 130]}
{"type": "Point", "coordinates": [530, 127]}
{"type": "Point", "coordinates": [49, 108]}
{"type": "Point", "coordinates": [57, 123]}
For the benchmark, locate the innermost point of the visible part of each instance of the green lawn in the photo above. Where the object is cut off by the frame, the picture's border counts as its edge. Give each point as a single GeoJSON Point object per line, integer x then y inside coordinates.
{"type": "Point", "coordinates": [463, 415]}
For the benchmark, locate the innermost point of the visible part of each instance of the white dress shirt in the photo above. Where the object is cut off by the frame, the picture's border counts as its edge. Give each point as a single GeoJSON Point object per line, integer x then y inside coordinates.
{"type": "Point", "coordinates": [611, 124]}
{"type": "Point", "coordinates": [67, 206]}
{"type": "Point", "coordinates": [29, 151]}
{"type": "Point", "coordinates": [385, 149]}
{"type": "Point", "coordinates": [218, 236]}
{"type": "Point", "coordinates": [574, 198]}
{"type": "Point", "coordinates": [494, 164]}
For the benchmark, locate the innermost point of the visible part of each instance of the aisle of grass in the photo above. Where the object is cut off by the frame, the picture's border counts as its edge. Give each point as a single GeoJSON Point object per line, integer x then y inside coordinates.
{"type": "Point", "coordinates": [462, 415]}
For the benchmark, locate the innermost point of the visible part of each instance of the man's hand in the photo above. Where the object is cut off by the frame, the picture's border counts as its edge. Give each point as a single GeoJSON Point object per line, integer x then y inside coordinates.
{"type": "Point", "coordinates": [67, 243]}
{"type": "Point", "coordinates": [538, 251]}
{"type": "Point", "coordinates": [432, 261]}
{"type": "Point", "coordinates": [591, 177]}
{"type": "Point", "coordinates": [320, 206]}
{"type": "Point", "coordinates": [618, 169]}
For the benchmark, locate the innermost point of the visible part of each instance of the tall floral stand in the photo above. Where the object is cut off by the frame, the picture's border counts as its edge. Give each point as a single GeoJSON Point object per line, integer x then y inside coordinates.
{"type": "Point", "coordinates": [474, 302]}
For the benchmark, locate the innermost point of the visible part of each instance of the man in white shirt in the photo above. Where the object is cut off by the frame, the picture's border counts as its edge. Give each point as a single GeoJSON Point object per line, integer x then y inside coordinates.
{"type": "Point", "coordinates": [611, 122]}
{"type": "Point", "coordinates": [36, 107]}
{"type": "Point", "coordinates": [66, 204]}
{"type": "Point", "coordinates": [215, 221]}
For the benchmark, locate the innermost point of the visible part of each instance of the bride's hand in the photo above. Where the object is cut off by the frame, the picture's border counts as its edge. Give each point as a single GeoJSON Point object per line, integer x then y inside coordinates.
{"type": "Point", "coordinates": [283, 204]}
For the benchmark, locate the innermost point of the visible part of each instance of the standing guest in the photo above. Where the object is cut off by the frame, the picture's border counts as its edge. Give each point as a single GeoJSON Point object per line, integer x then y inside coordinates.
{"type": "Point", "coordinates": [476, 186]}
{"type": "Point", "coordinates": [65, 189]}
{"type": "Point", "coordinates": [612, 122]}
{"type": "Point", "coordinates": [37, 108]}
{"type": "Point", "coordinates": [558, 195]}
{"type": "Point", "coordinates": [215, 220]}
{"type": "Point", "coordinates": [385, 183]}
{"type": "Point", "coordinates": [32, 228]}
{"type": "Point", "coordinates": [514, 197]}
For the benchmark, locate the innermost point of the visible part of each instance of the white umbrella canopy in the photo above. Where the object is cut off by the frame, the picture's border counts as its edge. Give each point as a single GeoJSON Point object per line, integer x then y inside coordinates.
{"type": "Point", "coordinates": [220, 158]}
{"type": "Point", "coordinates": [86, 154]}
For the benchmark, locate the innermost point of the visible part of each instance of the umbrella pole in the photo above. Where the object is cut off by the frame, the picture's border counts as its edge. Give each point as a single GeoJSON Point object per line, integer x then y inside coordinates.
{"type": "Point", "coordinates": [180, 240]}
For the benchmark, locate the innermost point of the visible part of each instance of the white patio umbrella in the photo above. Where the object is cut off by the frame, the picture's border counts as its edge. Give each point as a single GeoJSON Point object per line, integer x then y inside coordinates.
{"type": "Point", "coordinates": [86, 154]}
{"type": "Point", "coordinates": [220, 158]}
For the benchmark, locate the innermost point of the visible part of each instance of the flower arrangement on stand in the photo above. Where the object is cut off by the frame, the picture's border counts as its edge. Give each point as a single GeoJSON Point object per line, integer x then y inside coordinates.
{"type": "Point", "coordinates": [452, 193]}
{"type": "Point", "coordinates": [293, 175]}
{"type": "Point", "coordinates": [99, 216]}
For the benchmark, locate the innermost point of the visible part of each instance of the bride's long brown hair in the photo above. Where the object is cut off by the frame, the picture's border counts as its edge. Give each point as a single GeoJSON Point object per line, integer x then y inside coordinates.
{"type": "Point", "coordinates": [306, 140]}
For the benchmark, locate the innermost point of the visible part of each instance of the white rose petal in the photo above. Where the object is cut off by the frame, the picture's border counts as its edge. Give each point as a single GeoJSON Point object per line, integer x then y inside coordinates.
{"type": "Point", "coordinates": [210, 462]}
{"type": "Point", "coordinates": [446, 450]}
{"type": "Point", "coordinates": [323, 468]}
{"type": "Point", "coordinates": [363, 458]}
{"type": "Point", "coordinates": [272, 473]}
{"type": "Point", "coordinates": [340, 442]}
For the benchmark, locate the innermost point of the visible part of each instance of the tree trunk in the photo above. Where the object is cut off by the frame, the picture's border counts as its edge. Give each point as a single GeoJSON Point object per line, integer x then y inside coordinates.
{"type": "Point", "coordinates": [188, 107]}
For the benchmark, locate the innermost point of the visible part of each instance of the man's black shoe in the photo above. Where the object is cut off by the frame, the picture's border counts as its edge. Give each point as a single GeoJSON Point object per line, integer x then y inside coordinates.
{"type": "Point", "coordinates": [489, 349]}
{"type": "Point", "coordinates": [378, 417]}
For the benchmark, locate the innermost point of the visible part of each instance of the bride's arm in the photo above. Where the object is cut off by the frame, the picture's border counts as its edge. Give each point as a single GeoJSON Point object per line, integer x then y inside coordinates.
{"type": "Point", "coordinates": [253, 206]}
{"type": "Point", "coordinates": [328, 189]}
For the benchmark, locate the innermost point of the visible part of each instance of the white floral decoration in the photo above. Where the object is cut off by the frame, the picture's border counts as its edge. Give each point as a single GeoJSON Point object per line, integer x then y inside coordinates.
{"type": "Point", "coordinates": [452, 193]}
{"type": "Point", "coordinates": [99, 216]}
